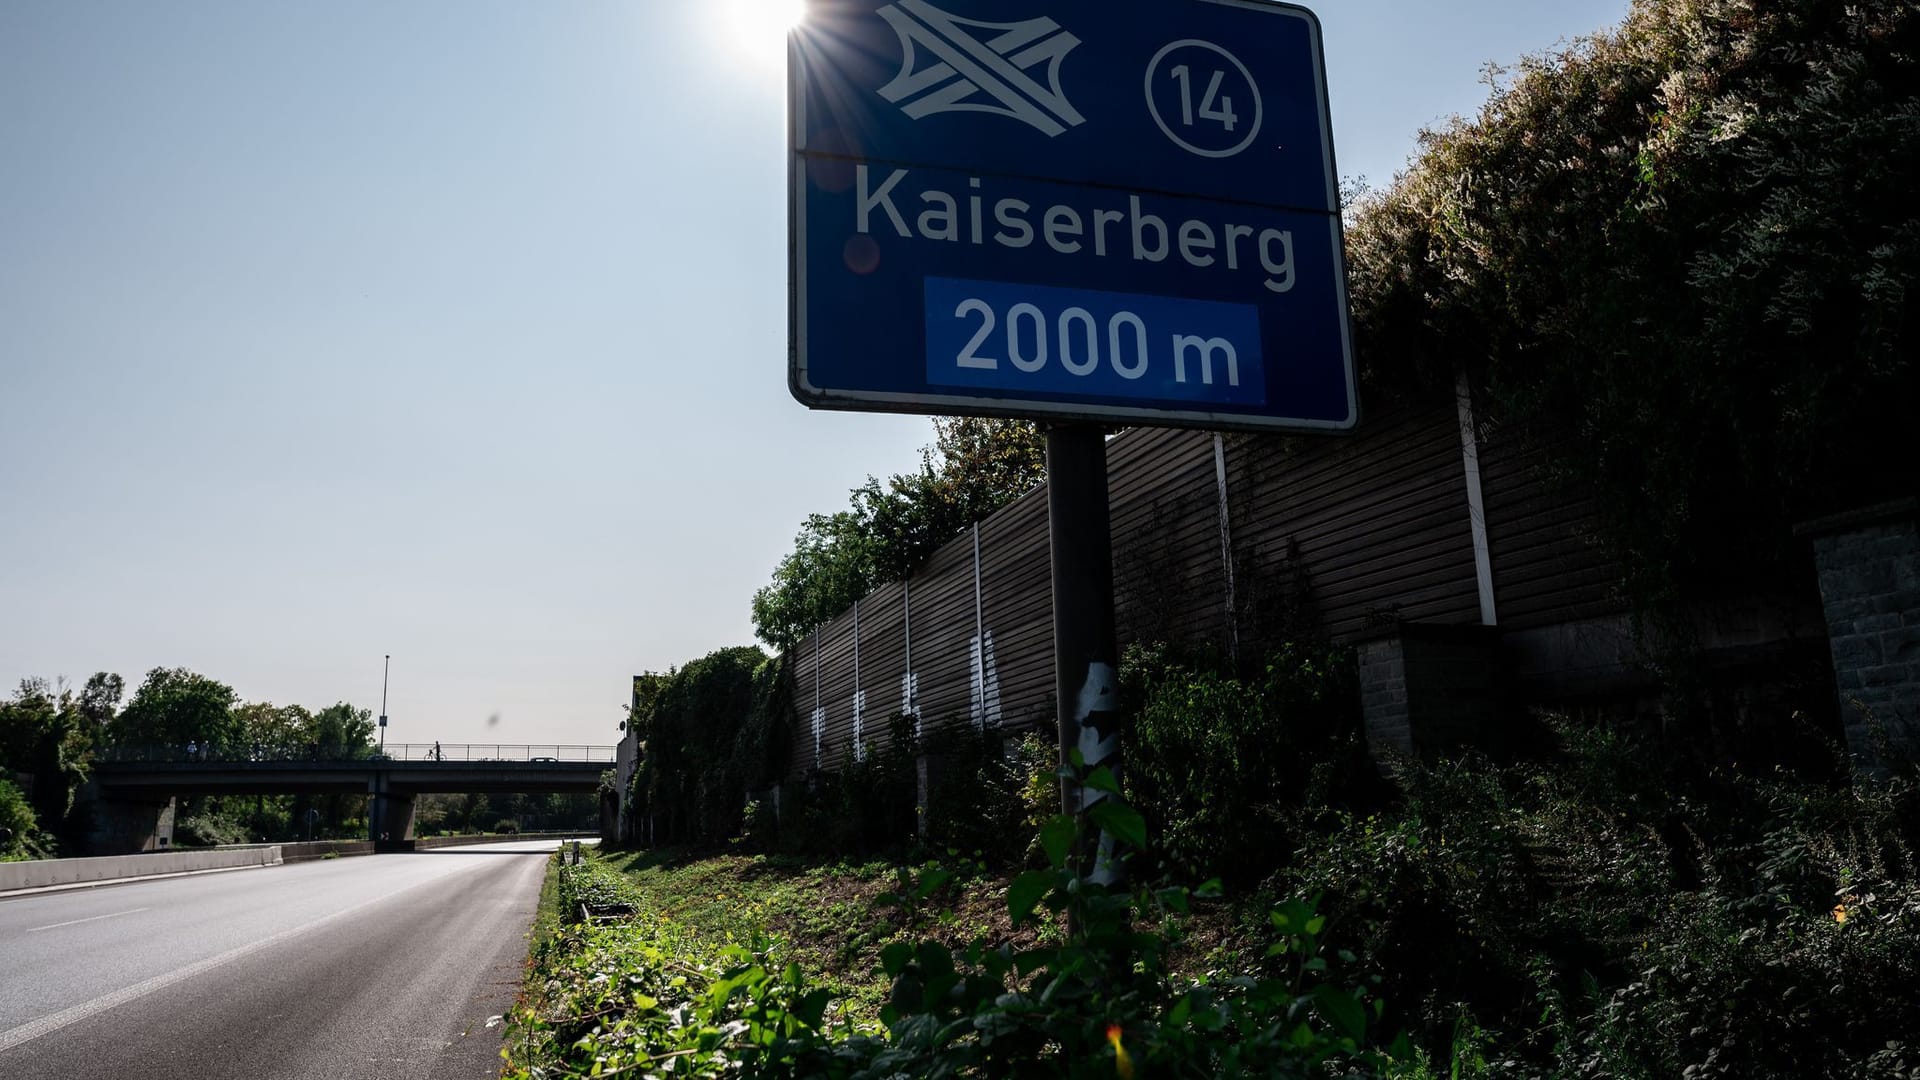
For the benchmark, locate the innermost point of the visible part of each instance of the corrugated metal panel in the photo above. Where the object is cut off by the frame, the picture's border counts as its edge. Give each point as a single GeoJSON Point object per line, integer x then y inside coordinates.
{"type": "Point", "coordinates": [1166, 562]}
{"type": "Point", "coordinates": [807, 679]}
{"type": "Point", "coordinates": [1546, 568]}
{"type": "Point", "coordinates": [942, 631]}
{"type": "Point", "coordinates": [836, 664]}
{"type": "Point", "coordinates": [1339, 534]}
{"type": "Point", "coordinates": [883, 658]}
{"type": "Point", "coordinates": [1017, 602]}
{"type": "Point", "coordinates": [1376, 526]}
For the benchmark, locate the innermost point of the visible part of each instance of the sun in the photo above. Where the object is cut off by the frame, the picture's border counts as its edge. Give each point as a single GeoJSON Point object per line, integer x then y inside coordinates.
{"type": "Point", "coordinates": [758, 28]}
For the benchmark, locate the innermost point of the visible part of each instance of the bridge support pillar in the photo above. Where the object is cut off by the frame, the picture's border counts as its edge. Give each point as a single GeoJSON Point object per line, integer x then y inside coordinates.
{"type": "Point", "coordinates": [389, 817]}
{"type": "Point", "coordinates": [121, 826]}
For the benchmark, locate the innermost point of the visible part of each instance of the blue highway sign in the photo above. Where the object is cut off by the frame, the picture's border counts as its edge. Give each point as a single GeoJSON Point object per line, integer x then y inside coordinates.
{"type": "Point", "coordinates": [1069, 210]}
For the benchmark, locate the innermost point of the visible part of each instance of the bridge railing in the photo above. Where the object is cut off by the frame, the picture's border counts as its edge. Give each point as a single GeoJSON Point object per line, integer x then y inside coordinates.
{"type": "Point", "coordinates": [417, 752]}
{"type": "Point", "coordinates": [603, 755]}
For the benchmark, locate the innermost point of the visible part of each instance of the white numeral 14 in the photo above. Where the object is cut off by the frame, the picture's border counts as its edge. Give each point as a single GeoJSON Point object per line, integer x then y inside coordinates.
{"type": "Point", "coordinates": [1212, 105]}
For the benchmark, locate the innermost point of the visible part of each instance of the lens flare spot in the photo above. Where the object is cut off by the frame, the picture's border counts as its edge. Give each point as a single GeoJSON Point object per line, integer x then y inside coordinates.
{"type": "Point", "coordinates": [862, 254]}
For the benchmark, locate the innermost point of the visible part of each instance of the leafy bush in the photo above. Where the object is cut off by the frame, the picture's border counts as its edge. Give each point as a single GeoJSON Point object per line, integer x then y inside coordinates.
{"type": "Point", "coordinates": [210, 828]}
{"type": "Point", "coordinates": [865, 805]}
{"type": "Point", "coordinates": [1220, 765]}
{"type": "Point", "coordinates": [985, 793]}
{"type": "Point", "coordinates": [594, 885]}
{"type": "Point", "coordinates": [1105, 1002]}
{"type": "Point", "coordinates": [19, 829]}
{"type": "Point", "coordinates": [990, 792]}
{"type": "Point", "coordinates": [712, 731]}
{"type": "Point", "coordinates": [1617, 910]}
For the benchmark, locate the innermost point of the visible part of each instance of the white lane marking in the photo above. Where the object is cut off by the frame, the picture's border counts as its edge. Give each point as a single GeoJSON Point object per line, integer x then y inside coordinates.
{"type": "Point", "coordinates": [77, 922]}
{"type": "Point", "coordinates": [47, 1025]}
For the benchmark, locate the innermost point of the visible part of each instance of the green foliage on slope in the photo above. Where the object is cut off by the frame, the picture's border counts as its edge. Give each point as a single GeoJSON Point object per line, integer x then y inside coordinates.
{"type": "Point", "coordinates": [709, 732]}
{"type": "Point", "coordinates": [1688, 248]}
{"type": "Point", "coordinates": [653, 996]}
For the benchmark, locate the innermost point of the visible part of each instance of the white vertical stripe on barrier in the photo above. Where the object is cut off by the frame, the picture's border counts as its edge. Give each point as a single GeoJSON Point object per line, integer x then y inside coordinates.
{"type": "Point", "coordinates": [1476, 504]}
{"type": "Point", "coordinates": [978, 676]}
{"type": "Point", "coordinates": [819, 712]}
{"type": "Point", "coordinates": [909, 685]}
{"type": "Point", "coordinates": [859, 695]}
{"type": "Point", "coordinates": [979, 620]}
{"type": "Point", "coordinates": [1226, 543]}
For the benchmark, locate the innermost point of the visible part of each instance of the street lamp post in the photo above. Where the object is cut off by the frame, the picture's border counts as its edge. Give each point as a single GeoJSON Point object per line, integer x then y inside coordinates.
{"type": "Point", "coordinates": [384, 669]}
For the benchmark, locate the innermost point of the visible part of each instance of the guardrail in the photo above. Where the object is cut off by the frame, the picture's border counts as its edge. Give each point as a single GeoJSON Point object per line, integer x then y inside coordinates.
{"type": "Point", "coordinates": [603, 755]}
{"type": "Point", "coordinates": [193, 753]}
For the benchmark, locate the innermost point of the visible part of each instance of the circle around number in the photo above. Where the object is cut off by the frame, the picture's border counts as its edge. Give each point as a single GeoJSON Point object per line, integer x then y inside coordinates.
{"type": "Point", "coordinates": [1253, 88]}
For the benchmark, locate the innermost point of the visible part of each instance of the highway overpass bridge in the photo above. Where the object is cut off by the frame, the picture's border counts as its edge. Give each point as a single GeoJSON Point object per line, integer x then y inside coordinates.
{"type": "Point", "coordinates": [132, 789]}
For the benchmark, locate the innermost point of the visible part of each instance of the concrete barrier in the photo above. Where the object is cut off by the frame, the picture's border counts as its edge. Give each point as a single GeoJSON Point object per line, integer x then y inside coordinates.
{"type": "Point", "coordinates": [306, 851]}
{"type": "Point", "coordinates": [42, 872]}
{"type": "Point", "coordinates": [425, 842]}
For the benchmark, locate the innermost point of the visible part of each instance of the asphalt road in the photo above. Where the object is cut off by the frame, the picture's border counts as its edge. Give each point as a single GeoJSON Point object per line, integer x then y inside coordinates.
{"type": "Point", "coordinates": [386, 967]}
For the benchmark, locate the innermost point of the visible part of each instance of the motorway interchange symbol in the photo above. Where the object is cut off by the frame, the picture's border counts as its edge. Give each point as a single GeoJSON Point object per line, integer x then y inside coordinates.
{"type": "Point", "coordinates": [969, 68]}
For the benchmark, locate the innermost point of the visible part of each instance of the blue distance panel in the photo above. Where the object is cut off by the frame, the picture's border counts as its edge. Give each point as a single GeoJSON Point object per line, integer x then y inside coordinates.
{"type": "Point", "coordinates": [1099, 346]}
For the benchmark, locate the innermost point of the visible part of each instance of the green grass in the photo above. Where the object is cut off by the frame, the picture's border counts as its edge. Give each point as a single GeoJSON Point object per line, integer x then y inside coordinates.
{"type": "Point", "coordinates": [546, 917]}
{"type": "Point", "coordinates": [819, 915]}
{"type": "Point", "coordinates": [826, 915]}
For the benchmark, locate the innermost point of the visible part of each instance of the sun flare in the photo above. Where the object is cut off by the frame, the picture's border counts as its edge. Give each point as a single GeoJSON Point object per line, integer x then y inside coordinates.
{"type": "Point", "coordinates": [758, 28]}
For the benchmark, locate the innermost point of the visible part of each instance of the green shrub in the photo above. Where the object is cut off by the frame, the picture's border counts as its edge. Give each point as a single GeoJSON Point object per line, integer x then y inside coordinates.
{"type": "Point", "coordinates": [865, 805]}
{"type": "Point", "coordinates": [1617, 910]}
{"type": "Point", "coordinates": [986, 792]}
{"type": "Point", "coordinates": [594, 885]}
{"type": "Point", "coordinates": [990, 792]}
{"type": "Point", "coordinates": [19, 829]}
{"type": "Point", "coordinates": [209, 829]}
{"type": "Point", "coordinates": [714, 730]}
{"type": "Point", "coordinates": [1221, 766]}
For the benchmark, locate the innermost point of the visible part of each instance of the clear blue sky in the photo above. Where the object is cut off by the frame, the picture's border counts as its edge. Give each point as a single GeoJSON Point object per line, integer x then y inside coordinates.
{"type": "Point", "coordinates": [336, 329]}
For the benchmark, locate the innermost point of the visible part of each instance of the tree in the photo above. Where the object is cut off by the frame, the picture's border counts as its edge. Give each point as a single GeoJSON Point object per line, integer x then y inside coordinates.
{"type": "Point", "coordinates": [1687, 248]}
{"type": "Point", "coordinates": [42, 734]}
{"type": "Point", "coordinates": [694, 775]}
{"type": "Point", "coordinates": [974, 467]}
{"type": "Point", "coordinates": [270, 732]}
{"type": "Point", "coordinates": [830, 567]}
{"type": "Point", "coordinates": [174, 707]}
{"type": "Point", "coordinates": [468, 814]}
{"type": "Point", "coordinates": [341, 732]}
{"type": "Point", "coordinates": [19, 828]}
{"type": "Point", "coordinates": [99, 701]}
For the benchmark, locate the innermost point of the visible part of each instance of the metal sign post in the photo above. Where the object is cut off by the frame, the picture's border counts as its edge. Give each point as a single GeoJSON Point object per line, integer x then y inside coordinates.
{"type": "Point", "coordinates": [1086, 658]}
{"type": "Point", "coordinates": [386, 666]}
